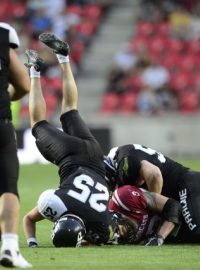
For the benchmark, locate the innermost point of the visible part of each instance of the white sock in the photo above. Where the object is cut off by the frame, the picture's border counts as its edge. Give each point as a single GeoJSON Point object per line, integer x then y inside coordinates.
{"type": "Point", "coordinates": [62, 58]}
{"type": "Point", "coordinates": [9, 241]}
{"type": "Point", "coordinates": [34, 73]}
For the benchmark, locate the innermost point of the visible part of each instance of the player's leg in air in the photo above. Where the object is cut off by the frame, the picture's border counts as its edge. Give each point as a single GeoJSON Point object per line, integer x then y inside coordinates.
{"type": "Point", "coordinates": [61, 49]}
{"type": "Point", "coordinates": [72, 122]}
{"type": "Point", "coordinates": [37, 104]}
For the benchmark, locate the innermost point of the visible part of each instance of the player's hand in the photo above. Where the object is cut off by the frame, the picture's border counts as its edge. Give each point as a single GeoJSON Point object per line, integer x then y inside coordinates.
{"type": "Point", "coordinates": [155, 240]}
{"type": "Point", "coordinates": [33, 244]}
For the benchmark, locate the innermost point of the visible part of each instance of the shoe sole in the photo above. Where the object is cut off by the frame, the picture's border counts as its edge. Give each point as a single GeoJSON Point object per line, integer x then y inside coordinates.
{"type": "Point", "coordinates": [54, 43]}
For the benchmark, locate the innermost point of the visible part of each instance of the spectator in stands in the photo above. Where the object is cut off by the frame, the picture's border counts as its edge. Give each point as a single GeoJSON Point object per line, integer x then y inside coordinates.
{"type": "Point", "coordinates": [194, 32]}
{"type": "Point", "coordinates": [146, 102]}
{"type": "Point", "coordinates": [143, 57]}
{"type": "Point", "coordinates": [180, 20]}
{"type": "Point", "coordinates": [155, 75]}
{"type": "Point", "coordinates": [125, 58]}
{"type": "Point", "coordinates": [41, 22]}
{"type": "Point", "coordinates": [151, 11]}
{"type": "Point", "coordinates": [116, 81]}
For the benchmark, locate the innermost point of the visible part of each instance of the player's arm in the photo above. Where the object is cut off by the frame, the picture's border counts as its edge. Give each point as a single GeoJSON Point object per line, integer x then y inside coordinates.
{"type": "Point", "coordinates": [18, 77]}
{"type": "Point", "coordinates": [170, 212]}
{"type": "Point", "coordinates": [152, 176]}
{"type": "Point", "coordinates": [29, 226]}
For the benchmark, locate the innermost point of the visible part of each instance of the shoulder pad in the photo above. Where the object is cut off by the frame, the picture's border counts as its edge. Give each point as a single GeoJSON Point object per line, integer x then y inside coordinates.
{"type": "Point", "coordinates": [13, 37]}
{"type": "Point", "coordinates": [50, 206]}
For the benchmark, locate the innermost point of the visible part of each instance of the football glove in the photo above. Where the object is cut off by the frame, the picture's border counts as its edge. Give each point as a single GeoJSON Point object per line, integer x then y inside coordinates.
{"type": "Point", "coordinates": [155, 240]}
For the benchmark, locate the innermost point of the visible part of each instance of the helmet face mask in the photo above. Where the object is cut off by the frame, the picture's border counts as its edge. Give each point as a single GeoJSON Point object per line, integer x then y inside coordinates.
{"type": "Point", "coordinates": [126, 228]}
{"type": "Point", "coordinates": [68, 231]}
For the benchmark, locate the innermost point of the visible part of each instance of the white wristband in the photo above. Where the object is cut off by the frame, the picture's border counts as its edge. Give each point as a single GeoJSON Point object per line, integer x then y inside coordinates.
{"type": "Point", "coordinates": [62, 58]}
{"type": "Point", "coordinates": [34, 73]}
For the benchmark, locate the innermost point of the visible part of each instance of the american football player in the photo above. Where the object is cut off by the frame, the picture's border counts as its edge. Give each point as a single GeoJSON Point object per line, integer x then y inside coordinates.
{"type": "Point", "coordinates": [138, 165]}
{"type": "Point", "coordinates": [14, 85]}
{"type": "Point", "coordinates": [83, 195]}
{"type": "Point", "coordinates": [144, 217]}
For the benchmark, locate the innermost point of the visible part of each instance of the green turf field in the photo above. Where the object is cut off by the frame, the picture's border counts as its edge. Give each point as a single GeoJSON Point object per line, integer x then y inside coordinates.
{"type": "Point", "coordinates": [36, 178]}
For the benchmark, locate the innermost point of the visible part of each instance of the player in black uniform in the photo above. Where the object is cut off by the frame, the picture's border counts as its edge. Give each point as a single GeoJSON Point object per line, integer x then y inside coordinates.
{"type": "Point", "coordinates": [14, 84]}
{"type": "Point", "coordinates": [138, 165]}
{"type": "Point", "coordinates": [83, 193]}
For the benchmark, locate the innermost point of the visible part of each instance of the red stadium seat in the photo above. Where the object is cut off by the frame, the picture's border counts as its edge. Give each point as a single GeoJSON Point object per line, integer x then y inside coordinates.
{"type": "Point", "coordinates": [172, 63]}
{"type": "Point", "coordinates": [4, 10]}
{"type": "Point", "coordinates": [74, 9]}
{"type": "Point", "coordinates": [92, 11]}
{"type": "Point", "coordinates": [145, 29]}
{"type": "Point", "coordinates": [78, 49]}
{"type": "Point", "coordinates": [128, 102]}
{"type": "Point", "coordinates": [181, 82]}
{"type": "Point", "coordinates": [134, 83]}
{"type": "Point", "coordinates": [189, 102]}
{"type": "Point", "coordinates": [163, 29]}
{"type": "Point", "coordinates": [176, 46]}
{"type": "Point", "coordinates": [138, 42]}
{"type": "Point", "coordinates": [18, 9]}
{"type": "Point", "coordinates": [110, 103]}
{"type": "Point", "coordinates": [193, 47]}
{"type": "Point", "coordinates": [86, 28]}
{"type": "Point", "coordinates": [189, 63]}
{"type": "Point", "coordinates": [159, 46]}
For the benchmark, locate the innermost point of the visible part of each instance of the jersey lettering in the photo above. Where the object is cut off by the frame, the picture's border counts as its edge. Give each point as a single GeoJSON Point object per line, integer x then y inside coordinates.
{"type": "Point", "coordinates": [151, 152]}
{"type": "Point", "coordinates": [83, 183]}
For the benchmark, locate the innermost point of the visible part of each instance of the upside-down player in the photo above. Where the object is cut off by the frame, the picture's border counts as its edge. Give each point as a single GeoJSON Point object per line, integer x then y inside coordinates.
{"type": "Point", "coordinates": [80, 204]}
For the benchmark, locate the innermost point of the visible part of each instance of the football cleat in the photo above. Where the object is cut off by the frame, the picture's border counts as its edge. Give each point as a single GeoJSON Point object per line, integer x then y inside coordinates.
{"type": "Point", "coordinates": [58, 46]}
{"type": "Point", "coordinates": [34, 60]}
{"type": "Point", "coordinates": [13, 258]}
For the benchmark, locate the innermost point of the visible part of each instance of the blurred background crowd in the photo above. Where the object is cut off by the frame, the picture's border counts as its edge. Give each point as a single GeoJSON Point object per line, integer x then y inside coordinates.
{"type": "Point", "coordinates": [155, 72]}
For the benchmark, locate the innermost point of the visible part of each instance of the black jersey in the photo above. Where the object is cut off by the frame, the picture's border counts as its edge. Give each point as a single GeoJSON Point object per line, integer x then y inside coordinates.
{"type": "Point", "coordinates": [5, 111]}
{"type": "Point", "coordinates": [86, 195]}
{"type": "Point", "coordinates": [128, 162]}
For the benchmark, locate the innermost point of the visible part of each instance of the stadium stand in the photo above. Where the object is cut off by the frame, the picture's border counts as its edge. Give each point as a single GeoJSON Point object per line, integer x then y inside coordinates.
{"type": "Point", "coordinates": [159, 35]}
{"type": "Point", "coordinates": [74, 21]}
{"type": "Point", "coordinates": [166, 33]}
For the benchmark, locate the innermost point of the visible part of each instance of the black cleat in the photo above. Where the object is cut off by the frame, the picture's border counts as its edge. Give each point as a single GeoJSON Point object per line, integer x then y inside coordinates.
{"type": "Point", "coordinates": [34, 60]}
{"type": "Point", "coordinates": [58, 46]}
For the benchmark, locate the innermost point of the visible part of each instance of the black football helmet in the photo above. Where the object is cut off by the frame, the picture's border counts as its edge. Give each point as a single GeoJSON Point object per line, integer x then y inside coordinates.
{"type": "Point", "coordinates": [68, 231]}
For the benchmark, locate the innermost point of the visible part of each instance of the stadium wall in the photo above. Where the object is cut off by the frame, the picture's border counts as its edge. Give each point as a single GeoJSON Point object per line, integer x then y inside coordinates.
{"type": "Point", "coordinates": [175, 136]}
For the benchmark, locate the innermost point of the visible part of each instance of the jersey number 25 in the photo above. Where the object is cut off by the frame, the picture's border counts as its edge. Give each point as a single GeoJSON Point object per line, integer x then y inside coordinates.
{"type": "Point", "coordinates": [84, 183]}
